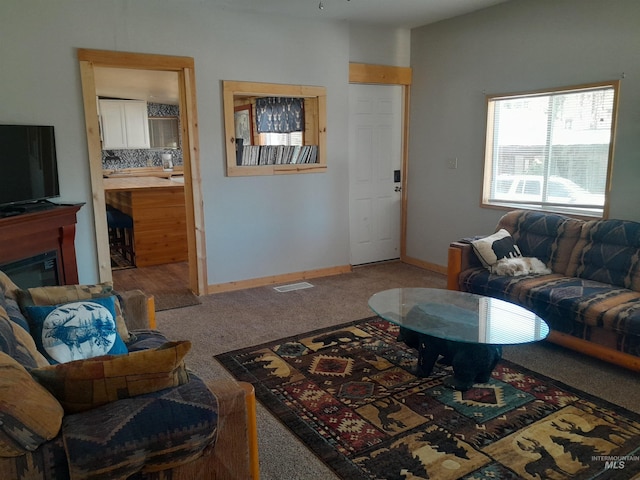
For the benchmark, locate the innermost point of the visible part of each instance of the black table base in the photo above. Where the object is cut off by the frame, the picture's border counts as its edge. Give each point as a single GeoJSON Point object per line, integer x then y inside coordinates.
{"type": "Point", "coordinates": [472, 362]}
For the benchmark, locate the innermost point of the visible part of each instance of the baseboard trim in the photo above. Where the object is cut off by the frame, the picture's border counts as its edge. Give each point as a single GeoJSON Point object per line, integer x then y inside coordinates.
{"type": "Point", "coordinates": [276, 279]}
{"type": "Point", "coordinates": [425, 265]}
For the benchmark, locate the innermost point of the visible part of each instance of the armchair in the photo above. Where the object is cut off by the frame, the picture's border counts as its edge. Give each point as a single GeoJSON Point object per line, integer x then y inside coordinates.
{"type": "Point", "coordinates": [155, 421]}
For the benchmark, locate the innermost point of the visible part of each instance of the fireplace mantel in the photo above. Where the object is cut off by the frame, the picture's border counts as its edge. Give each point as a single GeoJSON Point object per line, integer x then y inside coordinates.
{"type": "Point", "coordinates": [33, 233]}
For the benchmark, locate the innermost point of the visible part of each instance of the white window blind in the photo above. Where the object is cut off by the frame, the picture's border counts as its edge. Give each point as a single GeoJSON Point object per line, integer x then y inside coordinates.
{"type": "Point", "coordinates": [551, 150]}
{"type": "Point", "coordinates": [292, 138]}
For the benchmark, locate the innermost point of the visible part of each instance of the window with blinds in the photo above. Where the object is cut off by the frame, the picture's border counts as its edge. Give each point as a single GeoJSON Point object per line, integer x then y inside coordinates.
{"type": "Point", "coordinates": [292, 138]}
{"type": "Point", "coordinates": [551, 150]}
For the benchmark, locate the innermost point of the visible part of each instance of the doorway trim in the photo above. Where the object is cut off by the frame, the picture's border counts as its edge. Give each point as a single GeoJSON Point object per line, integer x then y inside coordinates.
{"type": "Point", "coordinates": [387, 75]}
{"type": "Point", "coordinates": [184, 66]}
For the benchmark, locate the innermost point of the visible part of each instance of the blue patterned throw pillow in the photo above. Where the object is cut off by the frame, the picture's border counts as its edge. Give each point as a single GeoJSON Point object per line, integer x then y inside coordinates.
{"type": "Point", "coordinates": [76, 330]}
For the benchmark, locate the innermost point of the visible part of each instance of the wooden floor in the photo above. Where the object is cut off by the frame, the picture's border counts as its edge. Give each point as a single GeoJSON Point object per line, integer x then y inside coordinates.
{"type": "Point", "coordinates": [168, 284]}
{"type": "Point", "coordinates": [154, 280]}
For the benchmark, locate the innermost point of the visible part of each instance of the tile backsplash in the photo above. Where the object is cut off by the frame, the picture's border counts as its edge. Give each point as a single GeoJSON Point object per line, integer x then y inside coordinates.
{"type": "Point", "coordinates": [118, 159]}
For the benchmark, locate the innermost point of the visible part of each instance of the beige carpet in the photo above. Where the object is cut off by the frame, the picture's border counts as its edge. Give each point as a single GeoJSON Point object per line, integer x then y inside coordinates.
{"type": "Point", "coordinates": [234, 320]}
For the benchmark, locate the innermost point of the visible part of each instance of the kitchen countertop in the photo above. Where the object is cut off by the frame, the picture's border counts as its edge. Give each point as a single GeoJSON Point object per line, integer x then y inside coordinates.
{"type": "Point", "coordinates": [143, 172]}
{"type": "Point", "coordinates": [135, 183]}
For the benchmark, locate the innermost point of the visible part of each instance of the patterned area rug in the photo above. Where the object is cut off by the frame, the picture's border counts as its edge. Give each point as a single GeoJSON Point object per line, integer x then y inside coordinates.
{"type": "Point", "coordinates": [348, 392]}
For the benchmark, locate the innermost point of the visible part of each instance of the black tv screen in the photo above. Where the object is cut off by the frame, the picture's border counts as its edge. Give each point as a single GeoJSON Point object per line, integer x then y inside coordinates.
{"type": "Point", "coordinates": [28, 163]}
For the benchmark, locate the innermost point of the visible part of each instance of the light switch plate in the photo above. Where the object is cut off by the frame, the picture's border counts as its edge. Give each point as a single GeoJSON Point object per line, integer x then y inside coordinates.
{"type": "Point", "coordinates": [452, 163]}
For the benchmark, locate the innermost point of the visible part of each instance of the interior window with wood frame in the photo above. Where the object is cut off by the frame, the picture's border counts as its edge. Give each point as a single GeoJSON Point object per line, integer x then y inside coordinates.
{"type": "Point", "coordinates": [274, 128]}
{"type": "Point", "coordinates": [551, 150]}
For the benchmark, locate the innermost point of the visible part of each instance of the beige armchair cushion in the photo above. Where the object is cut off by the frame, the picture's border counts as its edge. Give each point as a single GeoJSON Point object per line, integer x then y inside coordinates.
{"type": "Point", "coordinates": [85, 384]}
{"type": "Point", "coordinates": [30, 414]}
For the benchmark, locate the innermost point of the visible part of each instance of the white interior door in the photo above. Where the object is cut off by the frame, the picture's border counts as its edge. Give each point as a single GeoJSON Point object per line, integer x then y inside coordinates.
{"type": "Point", "coordinates": [375, 153]}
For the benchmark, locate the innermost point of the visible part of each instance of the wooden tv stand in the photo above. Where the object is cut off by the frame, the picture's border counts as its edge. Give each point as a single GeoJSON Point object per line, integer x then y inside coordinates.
{"type": "Point", "coordinates": [44, 230]}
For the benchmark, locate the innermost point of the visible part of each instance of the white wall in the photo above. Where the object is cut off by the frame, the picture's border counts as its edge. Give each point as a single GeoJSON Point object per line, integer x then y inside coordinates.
{"type": "Point", "coordinates": [255, 226]}
{"type": "Point", "coordinates": [380, 46]}
{"type": "Point", "coordinates": [516, 46]}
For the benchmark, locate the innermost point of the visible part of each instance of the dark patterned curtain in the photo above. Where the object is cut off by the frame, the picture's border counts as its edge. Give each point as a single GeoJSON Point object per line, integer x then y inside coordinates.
{"type": "Point", "coordinates": [279, 114]}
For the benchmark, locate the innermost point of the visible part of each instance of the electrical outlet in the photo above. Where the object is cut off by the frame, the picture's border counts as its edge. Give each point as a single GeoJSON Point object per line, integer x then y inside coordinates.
{"type": "Point", "coordinates": [452, 163]}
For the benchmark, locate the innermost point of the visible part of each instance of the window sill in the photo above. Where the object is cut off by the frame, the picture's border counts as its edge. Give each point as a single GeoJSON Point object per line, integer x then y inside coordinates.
{"type": "Point", "coordinates": [590, 214]}
{"type": "Point", "coordinates": [245, 171]}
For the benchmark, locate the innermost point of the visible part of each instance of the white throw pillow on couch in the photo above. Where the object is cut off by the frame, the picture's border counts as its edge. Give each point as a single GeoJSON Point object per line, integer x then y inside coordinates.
{"type": "Point", "coordinates": [495, 247]}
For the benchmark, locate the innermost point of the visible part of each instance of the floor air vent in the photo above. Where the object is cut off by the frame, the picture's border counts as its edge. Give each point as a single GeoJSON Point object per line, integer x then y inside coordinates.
{"type": "Point", "coordinates": [293, 286]}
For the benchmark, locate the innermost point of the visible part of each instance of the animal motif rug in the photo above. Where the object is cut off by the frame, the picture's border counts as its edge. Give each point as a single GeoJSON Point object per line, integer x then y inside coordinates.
{"type": "Point", "coordinates": [349, 394]}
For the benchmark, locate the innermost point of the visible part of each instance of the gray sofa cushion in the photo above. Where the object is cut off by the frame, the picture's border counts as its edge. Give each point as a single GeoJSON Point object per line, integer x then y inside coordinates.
{"type": "Point", "coordinates": [608, 251]}
{"type": "Point", "coordinates": [48, 461]}
{"type": "Point", "coordinates": [149, 432]}
{"type": "Point", "coordinates": [549, 237]}
{"type": "Point", "coordinates": [576, 306]}
{"type": "Point", "coordinates": [15, 340]}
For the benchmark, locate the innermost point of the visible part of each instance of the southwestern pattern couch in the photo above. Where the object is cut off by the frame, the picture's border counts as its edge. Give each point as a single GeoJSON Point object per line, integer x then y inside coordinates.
{"type": "Point", "coordinates": [591, 300]}
{"type": "Point", "coordinates": [140, 415]}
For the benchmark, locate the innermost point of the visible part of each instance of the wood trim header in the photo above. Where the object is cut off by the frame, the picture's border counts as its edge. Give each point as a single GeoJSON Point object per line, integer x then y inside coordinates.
{"type": "Point", "coordinates": [140, 61]}
{"type": "Point", "coordinates": [383, 74]}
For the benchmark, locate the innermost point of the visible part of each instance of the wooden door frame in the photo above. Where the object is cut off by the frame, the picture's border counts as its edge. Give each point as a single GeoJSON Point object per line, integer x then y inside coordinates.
{"type": "Point", "coordinates": [184, 66]}
{"type": "Point", "coordinates": [365, 73]}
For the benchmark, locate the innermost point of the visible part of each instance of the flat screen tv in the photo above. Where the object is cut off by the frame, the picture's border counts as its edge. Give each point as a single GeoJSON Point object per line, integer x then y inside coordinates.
{"type": "Point", "coordinates": [28, 164]}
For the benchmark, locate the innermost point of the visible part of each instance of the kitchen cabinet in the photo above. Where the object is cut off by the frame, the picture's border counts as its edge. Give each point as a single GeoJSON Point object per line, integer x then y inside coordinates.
{"type": "Point", "coordinates": [124, 123]}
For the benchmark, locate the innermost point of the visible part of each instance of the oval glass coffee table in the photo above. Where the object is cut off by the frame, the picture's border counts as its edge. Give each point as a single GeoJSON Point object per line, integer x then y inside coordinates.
{"type": "Point", "coordinates": [467, 330]}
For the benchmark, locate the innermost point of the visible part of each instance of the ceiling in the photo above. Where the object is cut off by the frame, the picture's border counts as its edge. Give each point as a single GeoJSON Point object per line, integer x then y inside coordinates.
{"type": "Point", "coordinates": [150, 85]}
{"type": "Point", "coordinates": [392, 13]}
{"type": "Point", "coordinates": [162, 87]}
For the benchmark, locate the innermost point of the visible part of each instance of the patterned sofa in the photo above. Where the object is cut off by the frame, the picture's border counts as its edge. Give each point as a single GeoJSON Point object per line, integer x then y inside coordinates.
{"type": "Point", "coordinates": [591, 300]}
{"type": "Point", "coordinates": [139, 415]}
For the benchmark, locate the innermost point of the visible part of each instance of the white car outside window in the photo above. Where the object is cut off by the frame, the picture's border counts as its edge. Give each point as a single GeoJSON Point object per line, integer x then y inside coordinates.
{"type": "Point", "coordinates": [529, 188]}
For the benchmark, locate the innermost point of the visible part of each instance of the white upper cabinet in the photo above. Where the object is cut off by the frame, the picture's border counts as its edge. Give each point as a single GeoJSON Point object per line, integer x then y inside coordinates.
{"type": "Point", "coordinates": [124, 124]}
